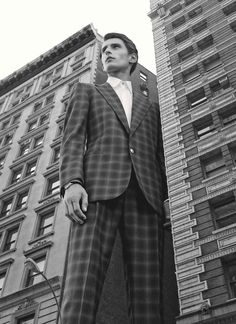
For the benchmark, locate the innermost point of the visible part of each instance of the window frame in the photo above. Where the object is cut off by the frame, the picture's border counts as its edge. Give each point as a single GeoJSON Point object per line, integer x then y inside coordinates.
{"type": "Point", "coordinates": [49, 184]}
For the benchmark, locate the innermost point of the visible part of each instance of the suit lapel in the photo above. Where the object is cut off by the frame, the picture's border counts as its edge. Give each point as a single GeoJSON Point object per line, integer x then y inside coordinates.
{"type": "Point", "coordinates": [140, 108]}
{"type": "Point", "coordinates": [113, 100]}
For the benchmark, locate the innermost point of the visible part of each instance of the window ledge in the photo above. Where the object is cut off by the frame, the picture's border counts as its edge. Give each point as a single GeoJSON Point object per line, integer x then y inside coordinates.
{"type": "Point", "coordinates": [12, 214]}
{"type": "Point", "coordinates": [215, 176]}
{"type": "Point", "coordinates": [8, 251]}
{"type": "Point", "coordinates": [51, 198]}
{"type": "Point", "coordinates": [39, 245]}
{"type": "Point", "coordinates": [224, 229]}
{"type": "Point", "coordinates": [206, 137]}
{"type": "Point", "coordinates": [40, 238]}
{"type": "Point", "coordinates": [20, 183]}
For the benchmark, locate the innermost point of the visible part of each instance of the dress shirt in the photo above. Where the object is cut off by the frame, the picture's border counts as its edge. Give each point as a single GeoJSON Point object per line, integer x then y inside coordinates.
{"type": "Point", "coordinates": [123, 90]}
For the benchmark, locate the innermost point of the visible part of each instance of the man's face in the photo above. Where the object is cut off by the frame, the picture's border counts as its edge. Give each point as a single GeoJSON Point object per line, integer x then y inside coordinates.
{"type": "Point", "coordinates": [115, 56]}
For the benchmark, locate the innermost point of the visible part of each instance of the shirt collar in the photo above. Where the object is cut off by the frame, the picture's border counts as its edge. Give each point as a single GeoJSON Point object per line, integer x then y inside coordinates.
{"type": "Point", "coordinates": [115, 82]}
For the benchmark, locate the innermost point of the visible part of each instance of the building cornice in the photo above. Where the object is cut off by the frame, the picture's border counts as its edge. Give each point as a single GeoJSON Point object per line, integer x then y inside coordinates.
{"type": "Point", "coordinates": [58, 52]}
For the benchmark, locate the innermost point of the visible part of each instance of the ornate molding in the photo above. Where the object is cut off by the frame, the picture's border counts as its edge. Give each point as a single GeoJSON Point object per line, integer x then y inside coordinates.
{"type": "Point", "coordinates": [28, 302]}
{"type": "Point", "coordinates": [54, 55]}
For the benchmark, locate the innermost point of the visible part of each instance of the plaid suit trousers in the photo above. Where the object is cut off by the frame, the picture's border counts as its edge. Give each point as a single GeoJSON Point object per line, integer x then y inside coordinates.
{"type": "Point", "coordinates": [90, 250]}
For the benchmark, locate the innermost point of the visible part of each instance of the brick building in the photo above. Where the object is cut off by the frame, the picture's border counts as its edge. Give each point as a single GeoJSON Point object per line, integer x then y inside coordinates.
{"type": "Point", "coordinates": [33, 101]}
{"type": "Point", "coordinates": [195, 46]}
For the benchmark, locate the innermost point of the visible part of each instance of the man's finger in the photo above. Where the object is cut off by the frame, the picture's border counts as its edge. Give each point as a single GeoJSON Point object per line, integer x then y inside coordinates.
{"type": "Point", "coordinates": [84, 203]}
{"type": "Point", "coordinates": [71, 214]}
{"type": "Point", "coordinates": [77, 210]}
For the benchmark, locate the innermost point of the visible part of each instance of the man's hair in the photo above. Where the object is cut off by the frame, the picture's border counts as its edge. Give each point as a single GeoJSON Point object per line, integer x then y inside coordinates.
{"type": "Point", "coordinates": [128, 44]}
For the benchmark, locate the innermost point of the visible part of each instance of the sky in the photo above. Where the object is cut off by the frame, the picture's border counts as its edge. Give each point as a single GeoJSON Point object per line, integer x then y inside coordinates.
{"type": "Point", "coordinates": [29, 28]}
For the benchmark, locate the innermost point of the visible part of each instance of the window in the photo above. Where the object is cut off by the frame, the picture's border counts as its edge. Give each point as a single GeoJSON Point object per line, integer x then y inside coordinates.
{"type": "Point", "coordinates": [56, 154]}
{"type": "Point", "coordinates": [1, 105]}
{"type": "Point", "coordinates": [199, 26]}
{"type": "Point", "coordinates": [5, 124]}
{"type": "Point", "coordinates": [49, 99]}
{"type": "Point", "coordinates": [25, 148]}
{"type": "Point", "coordinates": [188, 2]}
{"type": "Point", "coordinates": [38, 106]}
{"type": "Point", "coordinates": [212, 62]}
{"type": "Point", "coordinates": [196, 97]}
{"type": "Point", "coordinates": [175, 9]}
{"type": "Point", "coordinates": [182, 37]}
{"type": "Point", "coordinates": [178, 22]}
{"type": "Point", "coordinates": [2, 280]}
{"type": "Point", "coordinates": [204, 127]}
{"type": "Point", "coordinates": [52, 77]}
{"type": "Point", "coordinates": [79, 56]}
{"type": "Point", "coordinates": [70, 87]}
{"type": "Point", "coordinates": [29, 319]}
{"type": "Point", "coordinates": [38, 141]}
{"type": "Point", "coordinates": [23, 171]}
{"type": "Point", "coordinates": [229, 9]}
{"type": "Point", "coordinates": [41, 120]}
{"type": "Point", "coordinates": [15, 119]}
{"type": "Point", "coordinates": [218, 86]}
{"type": "Point", "coordinates": [233, 26]}
{"type": "Point", "coordinates": [186, 53]}
{"type": "Point", "coordinates": [22, 200]}
{"type": "Point", "coordinates": [213, 164]}
{"type": "Point", "coordinates": [228, 115]}
{"type": "Point", "coordinates": [233, 154]}
{"type": "Point", "coordinates": [143, 76]}
{"type": "Point", "coordinates": [11, 237]}
{"type": "Point", "coordinates": [22, 94]}
{"type": "Point", "coordinates": [53, 185]}
{"type": "Point", "coordinates": [30, 168]}
{"type": "Point", "coordinates": [31, 144]}
{"type": "Point", "coordinates": [32, 277]}
{"type": "Point", "coordinates": [195, 12]}
{"type": "Point", "coordinates": [8, 139]}
{"type": "Point", "coordinates": [45, 223]}
{"type": "Point", "coordinates": [2, 160]}
{"type": "Point", "coordinates": [230, 271]}
{"type": "Point", "coordinates": [190, 73]}
{"type": "Point", "coordinates": [6, 207]}
{"type": "Point", "coordinates": [60, 130]}
{"type": "Point", "coordinates": [41, 104]}
{"type": "Point", "coordinates": [32, 125]}
{"type": "Point", "coordinates": [16, 175]}
{"type": "Point", "coordinates": [224, 209]}
{"type": "Point", "coordinates": [205, 42]}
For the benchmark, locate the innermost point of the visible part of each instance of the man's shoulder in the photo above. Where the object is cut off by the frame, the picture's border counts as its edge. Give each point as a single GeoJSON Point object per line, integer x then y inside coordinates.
{"type": "Point", "coordinates": [79, 86]}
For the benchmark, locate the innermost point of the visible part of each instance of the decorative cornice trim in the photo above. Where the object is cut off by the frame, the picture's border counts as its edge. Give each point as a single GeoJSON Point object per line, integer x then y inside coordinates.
{"type": "Point", "coordinates": [47, 59]}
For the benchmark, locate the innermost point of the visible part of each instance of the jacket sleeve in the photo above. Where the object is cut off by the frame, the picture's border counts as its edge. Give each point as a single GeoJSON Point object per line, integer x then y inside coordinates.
{"type": "Point", "coordinates": [161, 156]}
{"type": "Point", "coordinates": [74, 136]}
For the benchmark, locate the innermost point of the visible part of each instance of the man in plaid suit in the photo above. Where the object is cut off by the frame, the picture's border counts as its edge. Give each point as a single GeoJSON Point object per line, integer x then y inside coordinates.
{"type": "Point", "coordinates": [113, 178]}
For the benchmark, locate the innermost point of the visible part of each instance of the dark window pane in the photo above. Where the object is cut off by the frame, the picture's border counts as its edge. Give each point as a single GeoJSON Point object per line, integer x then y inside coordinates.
{"type": "Point", "coordinates": [6, 207]}
{"type": "Point", "coordinates": [11, 239]}
{"type": "Point", "coordinates": [46, 223]}
{"type": "Point", "coordinates": [22, 200]}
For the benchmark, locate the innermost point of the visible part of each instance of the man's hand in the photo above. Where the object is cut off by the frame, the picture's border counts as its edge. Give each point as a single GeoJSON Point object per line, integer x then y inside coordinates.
{"type": "Point", "coordinates": [76, 202]}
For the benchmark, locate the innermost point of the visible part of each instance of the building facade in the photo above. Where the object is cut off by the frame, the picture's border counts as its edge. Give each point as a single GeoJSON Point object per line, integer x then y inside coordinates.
{"type": "Point", "coordinates": [195, 46]}
{"type": "Point", "coordinates": [33, 102]}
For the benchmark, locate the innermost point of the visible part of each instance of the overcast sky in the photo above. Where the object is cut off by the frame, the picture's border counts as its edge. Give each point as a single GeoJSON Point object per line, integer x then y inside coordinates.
{"type": "Point", "coordinates": [28, 28]}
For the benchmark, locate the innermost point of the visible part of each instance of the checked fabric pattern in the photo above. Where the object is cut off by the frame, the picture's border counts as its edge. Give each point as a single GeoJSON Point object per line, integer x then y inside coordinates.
{"type": "Point", "coordinates": [90, 251]}
{"type": "Point", "coordinates": [99, 148]}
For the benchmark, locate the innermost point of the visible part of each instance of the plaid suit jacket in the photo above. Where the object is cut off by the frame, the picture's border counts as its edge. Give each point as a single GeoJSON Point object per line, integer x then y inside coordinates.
{"type": "Point", "coordinates": [99, 149]}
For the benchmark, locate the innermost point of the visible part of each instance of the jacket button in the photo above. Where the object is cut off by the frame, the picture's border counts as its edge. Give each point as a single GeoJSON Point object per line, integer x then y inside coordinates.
{"type": "Point", "coordinates": [131, 150]}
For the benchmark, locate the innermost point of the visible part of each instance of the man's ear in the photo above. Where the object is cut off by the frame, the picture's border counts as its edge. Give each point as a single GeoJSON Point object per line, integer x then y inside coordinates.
{"type": "Point", "coordinates": [133, 58]}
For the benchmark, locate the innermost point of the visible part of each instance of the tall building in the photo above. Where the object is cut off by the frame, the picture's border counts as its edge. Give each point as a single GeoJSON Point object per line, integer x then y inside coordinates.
{"type": "Point", "coordinates": [195, 46]}
{"type": "Point", "coordinates": [33, 102]}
